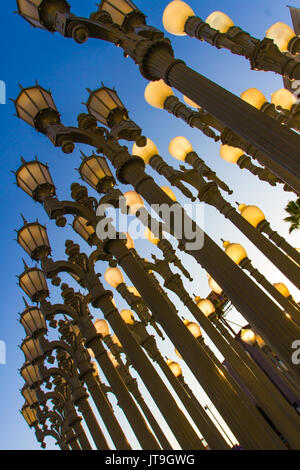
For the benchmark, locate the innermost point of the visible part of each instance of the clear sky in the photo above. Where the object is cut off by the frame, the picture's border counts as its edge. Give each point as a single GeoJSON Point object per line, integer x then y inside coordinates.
{"type": "Point", "coordinates": [67, 68]}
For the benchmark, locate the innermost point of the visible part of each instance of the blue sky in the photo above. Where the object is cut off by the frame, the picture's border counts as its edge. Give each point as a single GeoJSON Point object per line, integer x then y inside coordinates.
{"type": "Point", "coordinates": [67, 68]}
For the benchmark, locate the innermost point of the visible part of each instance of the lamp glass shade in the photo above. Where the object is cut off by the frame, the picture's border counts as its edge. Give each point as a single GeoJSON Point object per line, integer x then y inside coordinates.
{"type": "Point", "coordinates": [114, 277]}
{"type": "Point", "coordinates": [235, 251]}
{"type": "Point", "coordinates": [31, 102]}
{"type": "Point", "coordinates": [254, 97]}
{"type": "Point", "coordinates": [133, 201]}
{"type": "Point", "coordinates": [31, 374]}
{"type": "Point", "coordinates": [93, 170]}
{"type": "Point", "coordinates": [248, 336]}
{"type": "Point", "coordinates": [147, 152]}
{"type": "Point", "coordinates": [42, 13]}
{"type": "Point", "coordinates": [33, 239]}
{"type": "Point", "coordinates": [252, 214]}
{"type": "Point", "coordinates": [34, 178]}
{"type": "Point", "coordinates": [118, 9]}
{"type": "Point", "coordinates": [214, 286]}
{"type": "Point", "coordinates": [30, 416]}
{"type": "Point", "coordinates": [282, 289]}
{"type": "Point", "coordinates": [150, 237]}
{"type": "Point", "coordinates": [34, 284]}
{"type": "Point", "coordinates": [219, 21]}
{"type": "Point", "coordinates": [283, 98]}
{"type": "Point", "coordinates": [33, 321]}
{"type": "Point", "coordinates": [169, 193]}
{"type": "Point", "coordinates": [175, 368]}
{"type": "Point", "coordinates": [116, 341]}
{"type": "Point", "coordinates": [129, 242]}
{"type": "Point", "coordinates": [29, 395]}
{"type": "Point", "coordinates": [133, 290]}
{"type": "Point", "coordinates": [31, 348]}
{"type": "Point", "coordinates": [180, 147]}
{"type": "Point", "coordinates": [281, 34]}
{"type": "Point", "coordinates": [175, 16]}
{"type": "Point", "coordinates": [191, 103]}
{"type": "Point", "coordinates": [206, 306]}
{"type": "Point", "coordinates": [194, 329]}
{"type": "Point", "coordinates": [127, 316]}
{"type": "Point", "coordinates": [230, 154]}
{"type": "Point", "coordinates": [82, 227]}
{"type": "Point", "coordinates": [102, 103]}
{"type": "Point", "coordinates": [157, 92]}
{"type": "Point", "coordinates": [102, 327]}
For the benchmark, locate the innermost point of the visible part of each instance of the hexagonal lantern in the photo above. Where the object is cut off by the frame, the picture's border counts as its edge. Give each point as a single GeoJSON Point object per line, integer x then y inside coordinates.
{"type": "Point", "coordinates": [35, 179]}
{"type": "Point", "coordinates": [34, 284]}
{"type": "Point", "coordinates": [29, 414]}
{"type": "Point", "coordinates": [32, 349]}
{"type": "Point", "coordinates": [31, 374]}
{"type": "Point", "coordinates": [105, 105]}
{"type": "Point", "coordinates": [35, 106]}
{"type": "Point", "coordinates": [42, 13]}
{"type": "Point", "coordinates": [29, 395]}
{"type": "Point", "coordinates": [34, 240]}
{"type": "Point", "coordinates": [33, 321]}
{"type": "Point", "coordinates": [86, 231]}
{"type": "Point", "coordinates": [123, 13]}
{"type": "Point", "coordinates": [95, 171]}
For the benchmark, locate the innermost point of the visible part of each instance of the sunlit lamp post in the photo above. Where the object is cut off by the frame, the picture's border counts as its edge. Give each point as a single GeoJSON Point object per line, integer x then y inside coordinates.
{"type": "Point", "coordinates": [137, 41]}
{"type": "Point", "coordinates": [239, 255]}
{"type": "Point", "coordinates": [219, 30]}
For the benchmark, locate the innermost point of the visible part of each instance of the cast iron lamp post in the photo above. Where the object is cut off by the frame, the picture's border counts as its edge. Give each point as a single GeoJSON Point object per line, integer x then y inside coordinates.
{"type": "Point", "coordinates": [116, 349]}
{"type": "Point", "coordinates": [36, 350]}
{"type": "Point", "coordinates": [34, 324]}
{"type": "Point", "coordinates": [211, 435]}
{"type": "Point", "coordinates": [214, 382]}
{"type": "Point", "coordinates": [239, 255]}
{"type": "Point", "coordinates": [284, 37]}
{"type": "Point", "coordinates": [154, 55]}
{"type": "Point", "coordinates": [219, 31]}
{"type": "Point", "coordinates": [84, 270]}
{"type": "Point", "coordinates": [159, 95]}
{"type": "Point", "coordinates": [60, 396]}
{"type": "Point", "coordinates": [182, 150]}
{"type": "Point", "coordinates": [244, 371]}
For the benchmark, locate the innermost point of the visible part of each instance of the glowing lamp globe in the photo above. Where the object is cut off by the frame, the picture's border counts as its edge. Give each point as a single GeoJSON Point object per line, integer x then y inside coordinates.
{"type": "Point", "coordinates": [281, 34]}
{"type": "Point", "coordinates": [248, 336]}
{"type": "Point", "coordinates": [102, 327]}
{"type": "Point", "coordinates": [179, 148]}
{"type": "Point", "coordinates": [157, 92]}
{"type": "Point", "coordinates": [127, 316]}
{"type": "Point", "coordinates": [235, 251]}
{"type": "Point", "coordinates": [230, 154]}
{"type": "Point", "coordinates": [254, 97]}
{"type": "Point", "coordinates": [252, 214]}
{"type": "Point", "coordinates": [133, 201]}
{"type": "Point", "coordinates": [283, 98]}
{"type": "Point", "coordinates": [147, 152]}
{"type": "Point", "coordinates": [114, 277]}
{"type": "Point", "coordinates": [214, 286]}
{"type": "Point", "coordinates": [282, 289]}
{"type": "Point", "coordinates": [193, 328]}
{"type": "Point", "coordinates": [175, 16]}
{"type": "Point", "coordinates": [219, 21]}
{"type": "Point", "coordinates": [175, 368]}
{"type": "Point", "coordinates": [206, 306]}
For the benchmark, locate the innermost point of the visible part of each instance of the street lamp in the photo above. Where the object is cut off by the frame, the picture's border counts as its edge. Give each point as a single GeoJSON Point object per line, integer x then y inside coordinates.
{"type": "Point", "coordinates": [41, 13]}
{"type": "Point", "coordinates": [33, 321]}
{"type": "Point", "coordinates": [284, 37]}
{"type": "Point", "coordinates": [95, 171]}
{"type": "Point", "coordinates": [34, 284]}
{"type": "Point", "coordinates": [33, 239]}
{"type": "Point", "coordinates": [219, 30]}
{"type": "Point", "coordinates": [158, 62]}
